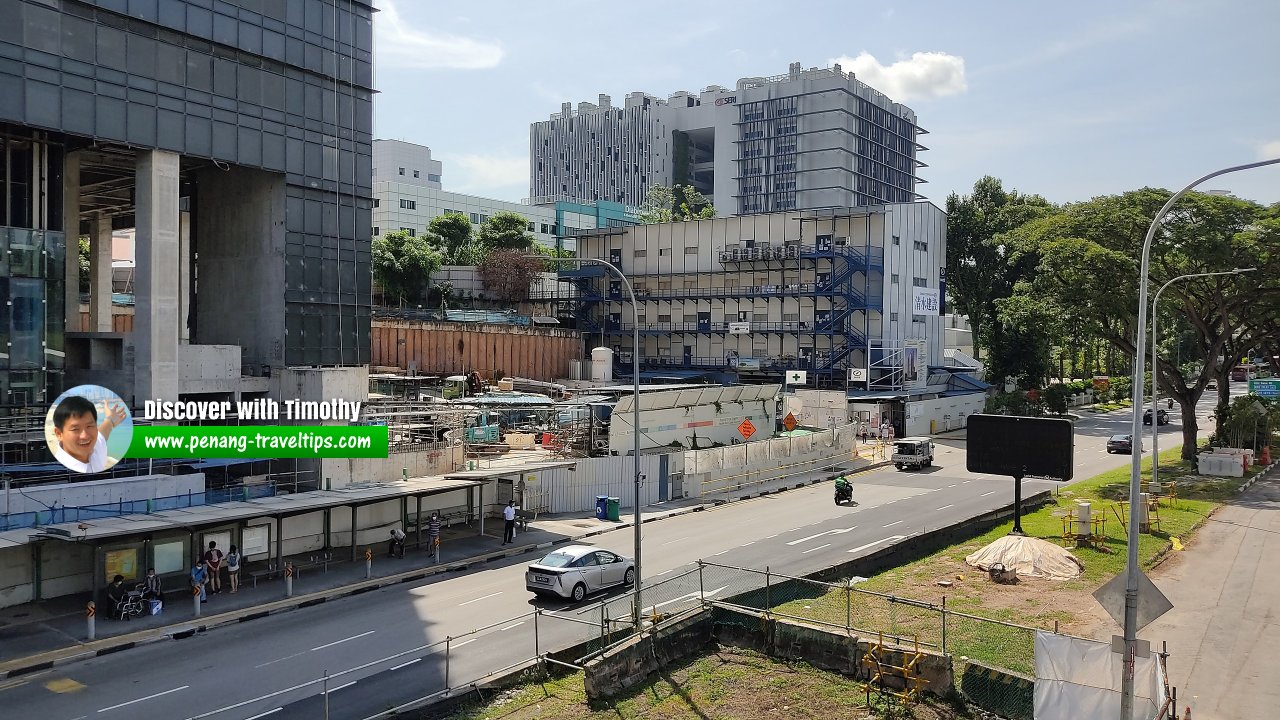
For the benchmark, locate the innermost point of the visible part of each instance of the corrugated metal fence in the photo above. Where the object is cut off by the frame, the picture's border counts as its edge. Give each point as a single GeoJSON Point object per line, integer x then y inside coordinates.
{"type": "Point", "coordinates": [563, 490]}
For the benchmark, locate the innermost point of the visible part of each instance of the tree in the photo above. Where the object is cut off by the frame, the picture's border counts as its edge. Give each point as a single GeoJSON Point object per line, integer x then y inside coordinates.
{"type": "Point", "coordinates": [85, 268]}
{"type": "Point", "coordinates": [980, 270]}
{"type": "Point", "coordinates": [403, 264]}
{"type": "Point", "coordinates": [451, 233]}
{"type": "Point", "coordinates": [507, 274]}
{"type": "Point", "coordinates": [506, 231]}
{"type": "Point", "coordinates": [664, 204]}
{"type": "Point", "coordinates": [1022, 337]}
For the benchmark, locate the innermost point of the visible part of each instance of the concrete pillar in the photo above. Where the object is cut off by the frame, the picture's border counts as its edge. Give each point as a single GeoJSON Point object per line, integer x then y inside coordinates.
{"type": "Point", "coordinates": [155, 329]}
{"type": "Point", "coordinates": [100, 274]}
{"type": "Point", "coordinates": [184, 279]}
{"type": "Point", "coordinates": [71, 227]}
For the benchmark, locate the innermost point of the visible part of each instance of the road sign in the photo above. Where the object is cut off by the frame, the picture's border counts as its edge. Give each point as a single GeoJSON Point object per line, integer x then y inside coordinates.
{"type": "Point", "coordinates": [746, 429]}
{"type": "Point", "coordinates": [797, 377]}
{"type": "Point", "coordinates": [1017, 446]}
{"type": "Point", "coordinates": [1151, 602]}
{"type": "Point", "coordinates": [857, 374]}
{"type": "Point", "coordinates": [1269, 388]}
{"type": "Point", "coordinates": [789, 422]}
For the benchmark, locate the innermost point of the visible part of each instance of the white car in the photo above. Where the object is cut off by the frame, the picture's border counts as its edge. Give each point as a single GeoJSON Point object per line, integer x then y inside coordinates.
{"type": "Point", "coordinates": [576, 571]}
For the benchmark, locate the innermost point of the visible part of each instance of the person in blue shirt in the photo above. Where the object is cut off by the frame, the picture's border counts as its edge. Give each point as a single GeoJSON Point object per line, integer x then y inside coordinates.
{"type": "Point", "coordinates": [199, 575]}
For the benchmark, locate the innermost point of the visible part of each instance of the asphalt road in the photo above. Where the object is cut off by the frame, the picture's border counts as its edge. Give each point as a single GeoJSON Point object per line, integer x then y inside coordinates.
{"type": "Point", "coordinates": [387, 647]}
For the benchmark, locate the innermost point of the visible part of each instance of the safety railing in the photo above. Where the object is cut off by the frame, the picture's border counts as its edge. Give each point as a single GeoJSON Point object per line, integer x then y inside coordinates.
{"type": "Point", "coordinates": [80, 513]}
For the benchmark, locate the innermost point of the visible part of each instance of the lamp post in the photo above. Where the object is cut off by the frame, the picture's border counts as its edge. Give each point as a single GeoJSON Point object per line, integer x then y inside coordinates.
{"type": "Point", "coordinates": [1135, 466]}
{"type": "Point", "coordinates": [635, 405]}
{"type": "Point", "coordinates": [1155, 369]}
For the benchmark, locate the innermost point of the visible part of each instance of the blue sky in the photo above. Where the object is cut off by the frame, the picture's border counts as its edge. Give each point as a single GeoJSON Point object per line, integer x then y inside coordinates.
{"type": "Point", "coordinates": [1068, 100]}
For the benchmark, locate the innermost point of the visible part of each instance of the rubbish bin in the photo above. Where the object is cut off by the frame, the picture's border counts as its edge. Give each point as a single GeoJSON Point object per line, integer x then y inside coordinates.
{"type": "Point", "coordinates": [614, 504]}
{"type": "Point", "coordinates": [602, 507]}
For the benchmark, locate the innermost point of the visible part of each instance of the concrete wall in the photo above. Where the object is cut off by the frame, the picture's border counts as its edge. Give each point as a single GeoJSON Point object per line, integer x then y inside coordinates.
{"type": "Point", "coordinates": [240, 237]}
{"type": "Point", "coordinates": [432, 460]}
{"type": "Point", "coordinates": [102, 492]}
{"type": "Point", "coordinates": [15, 568]}
{"type": "Point", "coordinates": [729, 468]}
{"type": "Point", "coordinates": [209, 368]}
{"type": "Point", "coordinates": [926, 417]}
{"type": "Point", "coordinates": [317, 384]}
{"type": "Point", "coordinates": [440, 348]}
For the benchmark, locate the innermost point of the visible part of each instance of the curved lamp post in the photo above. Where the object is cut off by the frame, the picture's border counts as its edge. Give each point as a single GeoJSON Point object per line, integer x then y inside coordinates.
{"type": "Point", "coordinates": [1135, 467]}
{"type": "Point", "coordinates": [1155, 368]}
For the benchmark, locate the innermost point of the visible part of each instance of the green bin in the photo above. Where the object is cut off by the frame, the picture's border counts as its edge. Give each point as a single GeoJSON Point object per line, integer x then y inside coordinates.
{"type": "Point", "coordinates": [614, 504]}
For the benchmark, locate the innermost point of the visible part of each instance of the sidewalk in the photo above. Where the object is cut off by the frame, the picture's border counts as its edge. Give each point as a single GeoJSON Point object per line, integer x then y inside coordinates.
{"type": "Point", "coordinates": [35, 636]}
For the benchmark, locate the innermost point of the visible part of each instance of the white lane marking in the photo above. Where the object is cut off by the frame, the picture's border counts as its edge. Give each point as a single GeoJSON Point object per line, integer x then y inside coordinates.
{"type": "Point", "coordinates": [951, 485]}
{"type": "Point", "coordinates": [482, 597]}
{"type": "Point", "coordinates": [944, 507]}
{"type": "Point", "coordinates": [993, 492]}
{"type": "Point", "coordinates": [407, 664]}
{"type": "Point", "coordinates": [891, 538]}
{"type": "Point", "coordinates": [721, 552]}
{"type": "Point", "coordinates": [262, 715]}
{"type": "Point", "coordinates": [806, 552]}
{"type": "Point", "coordinates": [338, 642]}
{"type": "Point", "coordinates": [273, 662]}
{"type": "Point", "coordinates": [895, 522]}
{"type": "Point", "coordinates": [773, 536]}
{"type": "Point", "coordinates": [687, 596]}
{"type": "Point", "coordinates": [166, 692]}
{"type": "Point", "coordinates": [753, 542]}
{"type": "Point", "coordinates": [334, 690]}
{"type": "Point", "coordinates": [673, 542]}
{"type": "Point", "coordinates": [464, 642]}
{"type": "Point", "coordinates": [503, 629]}
{"type": "Point", "coordinates": [839, 531]}
{"type": "Point", "coordinates": [966, 482]}
{"type": "Point", "coordinates": [664, 572]}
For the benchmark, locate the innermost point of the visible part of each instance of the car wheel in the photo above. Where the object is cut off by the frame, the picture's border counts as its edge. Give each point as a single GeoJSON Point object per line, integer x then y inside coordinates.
{"type": "Point", "coordinates": [899, 466]}
{"type": "Point", "coordinates": [579, 592]}
{"type": "Point", "coordinates": [630, 577]}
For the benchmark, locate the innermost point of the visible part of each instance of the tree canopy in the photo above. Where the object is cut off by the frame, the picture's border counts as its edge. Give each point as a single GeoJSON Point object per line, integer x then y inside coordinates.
{"type": "Point", "coordinates": [451, 233]}
{"type": "Point", "coordinates": [506, 230]}
{"type": "Point", "coordinates": [403, 264]}
{"type": "Point", "coordinates": [664, 204]}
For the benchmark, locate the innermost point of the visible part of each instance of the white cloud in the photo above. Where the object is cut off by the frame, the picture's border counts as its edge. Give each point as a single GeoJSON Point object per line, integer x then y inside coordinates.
{"type": "Point", "coordinates": [483, 174]}
{"type": "Point", "coordinates": [400, 45]}
{"type": "Point", "coordinates": [1267, 151]}
{"type": "Point", "coordinates": [922, 76]}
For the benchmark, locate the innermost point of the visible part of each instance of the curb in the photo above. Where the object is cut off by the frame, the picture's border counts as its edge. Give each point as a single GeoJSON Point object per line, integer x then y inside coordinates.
{"type": "Point", "coordinates": [183, 630]}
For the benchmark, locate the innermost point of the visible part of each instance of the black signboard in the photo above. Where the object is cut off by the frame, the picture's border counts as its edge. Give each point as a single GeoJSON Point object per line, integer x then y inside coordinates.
{"type": "Point", "coordinates": [1017, 446]}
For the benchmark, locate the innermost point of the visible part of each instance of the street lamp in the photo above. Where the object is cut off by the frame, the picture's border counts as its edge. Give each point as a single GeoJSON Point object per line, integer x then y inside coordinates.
{"type": "Point", "coordinates": [1155, 370]}
{"type": "Point", "coordinates": [635, 404]}
{"type": "Point", "coordinates": [1135, 466]}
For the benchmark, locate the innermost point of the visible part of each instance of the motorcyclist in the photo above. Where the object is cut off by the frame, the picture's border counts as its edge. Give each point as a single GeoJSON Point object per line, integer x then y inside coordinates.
{"type": "Point", "coordinates": [844, 489]}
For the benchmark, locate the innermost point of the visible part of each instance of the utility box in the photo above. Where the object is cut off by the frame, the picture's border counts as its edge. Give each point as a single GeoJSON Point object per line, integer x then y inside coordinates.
{"type": "Point", "coordinates": [614, 509]}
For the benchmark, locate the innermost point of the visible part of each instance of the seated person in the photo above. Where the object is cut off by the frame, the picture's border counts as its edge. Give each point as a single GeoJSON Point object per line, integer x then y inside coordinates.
{"type": "Point", "coordinates": [117, 594]}
{"type": "Point", "coordinates": [151, 589]}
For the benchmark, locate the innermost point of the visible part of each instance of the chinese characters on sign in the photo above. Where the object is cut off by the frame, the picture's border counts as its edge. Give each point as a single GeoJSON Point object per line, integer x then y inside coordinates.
{"type": "Point", "coordinates": [924, 301]}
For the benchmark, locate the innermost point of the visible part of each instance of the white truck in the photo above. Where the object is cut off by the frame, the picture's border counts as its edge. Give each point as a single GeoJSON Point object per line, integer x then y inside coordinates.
{"type": "Point", "coordinates": [912, 452]}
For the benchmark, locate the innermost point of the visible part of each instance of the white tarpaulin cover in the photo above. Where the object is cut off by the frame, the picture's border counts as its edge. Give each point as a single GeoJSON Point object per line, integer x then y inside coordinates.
{"type": "Point", "coordinates": [1031, 557]}
{"type": "Point", "coordinates": [1078, 678]}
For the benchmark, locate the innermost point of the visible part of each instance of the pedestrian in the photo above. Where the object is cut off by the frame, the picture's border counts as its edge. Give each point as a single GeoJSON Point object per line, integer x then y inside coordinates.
{"type": "Point", "coordinates": [213, 560]}
{"type": "Point", "coordinates": [862, 433]}
{"type": "Point", "coordinates": [509, 524]}
{"type": "Point", "coordinates": [433, 532]}
{"type": "Point", "coordinates": [151, 589]}
{"type": "Point", "coordinates": [233, 568]}
{"type": "Point", "coordinates": [396, 546]}
{"type": "Point", "coordinates": [199, 575]}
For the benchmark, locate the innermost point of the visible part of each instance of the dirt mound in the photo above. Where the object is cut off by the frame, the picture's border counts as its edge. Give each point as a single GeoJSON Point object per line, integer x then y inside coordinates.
{"type": "Point", "coordinates": [1031, 557]}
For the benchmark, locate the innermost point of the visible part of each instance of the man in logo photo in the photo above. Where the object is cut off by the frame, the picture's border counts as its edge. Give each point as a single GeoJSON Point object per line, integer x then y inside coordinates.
{"type": "Point", "coordinates": [82, 440]}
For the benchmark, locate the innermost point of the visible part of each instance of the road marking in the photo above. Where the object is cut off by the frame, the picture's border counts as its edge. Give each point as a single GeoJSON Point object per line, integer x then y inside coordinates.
{"type": "Point", "coordinates": [944, 507]}
{"type": "Point", "coordinates": [895, 522]}
{"type": "Point", "coordinates": [720, 553]}
{"type": "Point", "coordinates": [63, 685]}
{"type": "Point", "coordinates": [687, 596]}
{"type": "Point", "coordinates": [839, 531]}
{"type": "Point", "coordinates": [166, 692]}
{"type": "Point", "coordinates": [664, 572]}
{"type": "Point", "coordinates": [482, 597]}
{"type": "Point", "coordinates": [334, 690]}
{"type": "Point", "coordinates": [966, 482]}
{"type": "Point", "coordinates": [504, 629]}
{"type": "Point", "coordinates": [993, 492]}
{"type": "Point", "coordinates": [773, 536]}
{"type": "Point", "coordinates": [806, 552]}
{"type": "Point", "coordinates": [262, 715]}
{"type": "Point", "coordinates": [273, 662]}
{"type": "Point", "coordinates": [407, 664]}
{"type": "Point", "coordinates": [464, 642]}
{"type": "Point", "coordinates": [873, 544]}
{"type": "Point", "coordinates": [951, 485]}
{"type": "Point", "coordinates": [672, 542]}
{"type": "Point", "coordinates": [753, 542]}
{"type": "Point", "coordinates": [338, 642]}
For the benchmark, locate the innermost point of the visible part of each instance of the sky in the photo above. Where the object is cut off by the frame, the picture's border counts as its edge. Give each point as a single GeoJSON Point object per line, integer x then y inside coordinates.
{"type": "Point", "coordinates": [1065, 100]}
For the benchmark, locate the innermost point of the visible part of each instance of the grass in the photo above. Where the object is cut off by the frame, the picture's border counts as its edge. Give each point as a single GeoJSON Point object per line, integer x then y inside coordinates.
{"type": "Point", "coordinates": [1041, 604]}
{"type": "Point", "coordinates": [1109, 406]}
{"type": "Point", "coordinates": [723, 683]}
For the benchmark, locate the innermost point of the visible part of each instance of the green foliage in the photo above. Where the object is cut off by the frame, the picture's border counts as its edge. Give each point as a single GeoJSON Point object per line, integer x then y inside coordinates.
{"type": "Point", "coordinates": [506, 231]}
{"type": "Point", "coordinates": [1247, 422]}
{"type": "Point", "coordinates": [1055, 398]}
{"type": "Point", "coordinates": [403, 265]}
{"type": "Point", "coordinates": [451, 234]}
{"type": "Point", "coordinates": [663, 204]}
{"type": "Point", "coordinates": [85, 272]}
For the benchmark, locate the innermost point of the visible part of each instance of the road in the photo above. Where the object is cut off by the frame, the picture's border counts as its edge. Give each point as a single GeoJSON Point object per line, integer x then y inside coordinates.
{"type": "Point", "coordinates": [382, 641]}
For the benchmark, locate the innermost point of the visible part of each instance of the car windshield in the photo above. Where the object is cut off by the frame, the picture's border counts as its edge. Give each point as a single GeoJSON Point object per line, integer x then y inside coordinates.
{"type": "Point", "coordinates": [556, 560]}
{"type": "Point", "coordinates": [1120, 438]}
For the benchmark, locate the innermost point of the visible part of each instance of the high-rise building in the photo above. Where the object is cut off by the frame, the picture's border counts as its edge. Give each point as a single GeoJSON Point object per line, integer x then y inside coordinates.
{"type": "Point", "coordinates": [234, 138]}
{"type": "Point", "coordinates": [810, 139]}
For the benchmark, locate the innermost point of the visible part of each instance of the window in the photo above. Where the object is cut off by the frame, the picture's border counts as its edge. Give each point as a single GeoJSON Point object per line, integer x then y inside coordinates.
{"type": "Point", "coordinates": [691, 250]}
{"type": "Point", "coordinates": [921, 245]}
{"type": "Point", "coordinates": [433, 177]}
{"type": "Point", "coordinates": [895, 240]}
{"type": "Point", "coordinates": [408, 204]}
{"type": "Point", "coordinates": [475, 218]}
{"type": "Point", "coordinates": [401, 171]}
{"type": "Point", "coordinates": [917, 318]}
{"type": "Point", "coordinates": [375, 231]}
{"type": "Point", "coordinates": [640, 253]}
{"type": "Point", "coordinates": [893, 317]}
{"type": "Point", "coordinates": [664, 318]}
{"type": "Point", "coordinates": [411, 231]}
{"type": "Point", "coordinates": [663, 252]}
{"type": "Point", "coordinates": [920, 282]}
{"type": "Point", "coordinates": [894, 278]}
{"type": "Point", "coordinates": [484, 219]}
{"type": "Point", "coordinates": [544, 228]}
{"type": "Point", "coordinates": [415, 173]}
{"type": "Point", "coordinates": [376, 202]}
{"type": "Point", "coordinates": [531, 226]}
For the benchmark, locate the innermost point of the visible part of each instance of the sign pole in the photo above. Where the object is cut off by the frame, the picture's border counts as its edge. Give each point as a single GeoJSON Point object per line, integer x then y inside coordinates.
{"type": "Point", "coordinates": [1017, 505]}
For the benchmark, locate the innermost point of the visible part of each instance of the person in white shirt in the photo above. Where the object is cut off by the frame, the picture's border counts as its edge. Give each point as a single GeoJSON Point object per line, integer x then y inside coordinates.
{"type": "Point", "coordinates": [396, 546]}
{"type": "Point", "coordinates": [509, 529]}
{"type": "Point", "coordinates": [82, 440]}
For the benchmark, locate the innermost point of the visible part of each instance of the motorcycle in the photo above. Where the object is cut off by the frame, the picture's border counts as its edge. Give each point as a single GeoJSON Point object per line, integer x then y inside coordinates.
{"type": "Point", "coordinates": [844, 490]}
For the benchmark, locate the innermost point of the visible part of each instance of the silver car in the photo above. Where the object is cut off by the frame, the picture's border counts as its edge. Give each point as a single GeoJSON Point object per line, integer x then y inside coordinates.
{"type": "Point", "coordinates": [576, 571]}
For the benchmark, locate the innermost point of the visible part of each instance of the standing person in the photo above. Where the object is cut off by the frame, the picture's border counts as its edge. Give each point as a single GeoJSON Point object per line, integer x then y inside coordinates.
{"type": "Point", "coordinates": [862, 433]}
{"type": "Point", "coordinates": [233, 568]}
{"type": "Point", "coordinates": [433, 533]}
{"type": "Point", "coordinates": [509, 524]}
{"type": "Point", "coordinates": [213, 559]}
{"type": "Point", "coordinates": [199, 575]}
